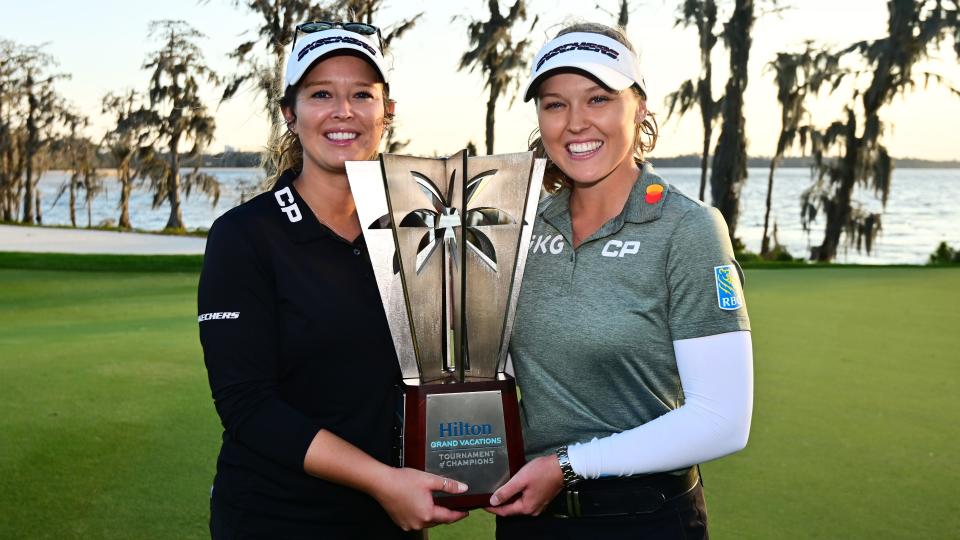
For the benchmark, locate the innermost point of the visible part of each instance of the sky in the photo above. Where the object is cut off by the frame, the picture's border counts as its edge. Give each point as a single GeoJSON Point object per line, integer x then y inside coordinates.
{"type": "Point", "coordinates": [103, 44]}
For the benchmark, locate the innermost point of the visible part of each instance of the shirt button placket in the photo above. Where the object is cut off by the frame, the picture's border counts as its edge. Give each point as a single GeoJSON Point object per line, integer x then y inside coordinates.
{"type": "Point", "coordinates": [570, 268]}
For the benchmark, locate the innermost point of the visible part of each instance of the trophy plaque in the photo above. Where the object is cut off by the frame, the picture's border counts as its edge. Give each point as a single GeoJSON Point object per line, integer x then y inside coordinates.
{"type": "Point", "coordinates": [448, 241]}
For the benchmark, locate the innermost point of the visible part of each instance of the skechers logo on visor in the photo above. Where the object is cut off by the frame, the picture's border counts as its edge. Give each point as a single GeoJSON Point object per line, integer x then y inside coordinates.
{"type": "Point", "coordinates": [580, 46]}
{"type": "Point", "coordinates": [335, 39]}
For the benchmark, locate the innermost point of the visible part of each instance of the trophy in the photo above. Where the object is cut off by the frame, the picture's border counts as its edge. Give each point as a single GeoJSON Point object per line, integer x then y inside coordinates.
{"type": "Point", "coordinates": [448, 241]}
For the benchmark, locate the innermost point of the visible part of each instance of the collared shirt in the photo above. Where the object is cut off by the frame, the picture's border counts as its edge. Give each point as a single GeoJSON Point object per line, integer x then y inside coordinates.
{"type": "Point", "coordinates": [592, 344]}
{"type": "Point", "coordinates": [295, 340]}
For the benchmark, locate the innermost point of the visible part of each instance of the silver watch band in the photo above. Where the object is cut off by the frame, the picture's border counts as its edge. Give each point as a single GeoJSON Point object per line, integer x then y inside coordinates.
{"type": "Point", "coordinates": [569, 476]}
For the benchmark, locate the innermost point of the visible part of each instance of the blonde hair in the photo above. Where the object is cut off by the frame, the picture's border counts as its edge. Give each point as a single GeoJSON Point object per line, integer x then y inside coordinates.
{"type": "Point", "coordinates": [284, 150]}
{"type": "Point", "coordinates": [645, 135]}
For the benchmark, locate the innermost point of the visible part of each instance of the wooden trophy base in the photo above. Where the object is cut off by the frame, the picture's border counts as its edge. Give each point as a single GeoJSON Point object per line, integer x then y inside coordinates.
{"type": "Point", "coordinates": [468, 431]}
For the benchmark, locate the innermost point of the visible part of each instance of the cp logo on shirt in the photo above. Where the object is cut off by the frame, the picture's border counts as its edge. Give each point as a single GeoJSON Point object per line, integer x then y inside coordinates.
{"type": "Point", "coordinates": [616, 248]}
{"type": "Point", "coordinates": [288, 204]}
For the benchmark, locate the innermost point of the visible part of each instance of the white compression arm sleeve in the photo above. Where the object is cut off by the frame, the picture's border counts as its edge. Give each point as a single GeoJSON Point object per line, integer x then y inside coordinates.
{"type": "Point", "coordinates": [717, 377]}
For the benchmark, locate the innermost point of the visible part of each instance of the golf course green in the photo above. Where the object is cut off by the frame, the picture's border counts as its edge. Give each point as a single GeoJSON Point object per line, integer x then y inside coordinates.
{"type": "Point", "coordinates": [108, 430]}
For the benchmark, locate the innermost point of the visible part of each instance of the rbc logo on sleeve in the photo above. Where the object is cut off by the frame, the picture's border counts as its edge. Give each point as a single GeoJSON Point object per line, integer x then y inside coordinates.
{"type": "Point", "coordinates": [729, 296]}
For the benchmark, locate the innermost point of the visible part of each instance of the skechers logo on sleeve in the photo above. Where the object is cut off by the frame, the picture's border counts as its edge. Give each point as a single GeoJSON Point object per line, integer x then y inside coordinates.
{"type": "Point", "coordinates": [218, 316]}
{"type": "Point", "coordinates": [580, 46]}
{"type": "Point", "coordinates": [288, 204]}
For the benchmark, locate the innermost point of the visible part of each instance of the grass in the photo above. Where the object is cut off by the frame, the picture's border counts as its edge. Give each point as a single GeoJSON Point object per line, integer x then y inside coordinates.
{"type": "Point", "coordinates": [108, 430]}
{"type": "Point", "coordinates": [855, 406]}
{"type": "Point", "coordinates": [96, 262]}
{"type": "Point", "coordinates": [192, 263]}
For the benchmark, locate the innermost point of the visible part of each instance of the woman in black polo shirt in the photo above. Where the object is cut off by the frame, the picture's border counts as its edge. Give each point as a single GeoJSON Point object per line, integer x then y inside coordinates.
{"type": "Point", "coordinates": [631, 343]}
{"type": "Point", "coordinates": [298, 352]}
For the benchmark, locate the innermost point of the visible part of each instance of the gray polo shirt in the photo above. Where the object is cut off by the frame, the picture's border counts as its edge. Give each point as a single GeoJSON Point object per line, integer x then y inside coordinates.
{"type": "Point", "coordinates": [593, 339]}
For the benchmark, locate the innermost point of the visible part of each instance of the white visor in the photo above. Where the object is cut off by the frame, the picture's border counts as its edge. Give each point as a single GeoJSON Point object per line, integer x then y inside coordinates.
{"type": "Point", "coordinates": [610, 61]}
{"type": "Point", "coordinates": [313, 46]}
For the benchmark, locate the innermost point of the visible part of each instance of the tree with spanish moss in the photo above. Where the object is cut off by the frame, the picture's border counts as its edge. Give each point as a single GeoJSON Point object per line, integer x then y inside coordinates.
{"type": "Point", "coordinates": [500, 59]}
{"type": "Point", "coordinates": [728, 172]}
{"type": "Point", "coordinates": [177, 115]}
{"type": "Point", "coordinates": [73, 151]}
{"type": "Point", "coordinates": [130, 129]}
{"type": "Point", "coordinates": [11, 162]}
{"type": "Point", "coordinates": [41, 112]}
{"type": "Point", "coordinates": [79, 154]}
{"type": "Point", "coordinates": [702, 15]}
{"type": "Point", "coordinates": [915, 32]}
{"type": "Point", "coordinates": [91, 179]}
{"type": "Point", "coordinates": [799, 77]}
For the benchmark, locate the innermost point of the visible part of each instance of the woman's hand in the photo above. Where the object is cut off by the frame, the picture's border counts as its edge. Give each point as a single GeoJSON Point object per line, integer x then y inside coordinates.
{"type": "Point", "coordinates": [407, 496]}
{"type": "Point", "coordinates": [533, 487]}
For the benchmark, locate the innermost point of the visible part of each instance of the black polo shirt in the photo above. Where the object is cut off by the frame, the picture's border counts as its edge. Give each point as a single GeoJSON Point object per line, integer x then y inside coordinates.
{"type": "Point", "coordinates": [295, 340]}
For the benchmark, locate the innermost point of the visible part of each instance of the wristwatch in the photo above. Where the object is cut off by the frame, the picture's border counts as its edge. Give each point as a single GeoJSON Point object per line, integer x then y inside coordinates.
{"type": "Point", "coordinates": [569, 476]}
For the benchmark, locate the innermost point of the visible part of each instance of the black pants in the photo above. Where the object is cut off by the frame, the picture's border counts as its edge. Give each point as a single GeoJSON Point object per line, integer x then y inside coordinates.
{"type": "Point", "coordinates": [684, 518]}
{"type": "Point", "coordinates": [228, 522]}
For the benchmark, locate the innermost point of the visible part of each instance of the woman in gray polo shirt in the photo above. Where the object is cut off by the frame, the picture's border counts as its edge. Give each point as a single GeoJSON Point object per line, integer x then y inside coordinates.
{"type": "Point", "coordinates": [632, 345]}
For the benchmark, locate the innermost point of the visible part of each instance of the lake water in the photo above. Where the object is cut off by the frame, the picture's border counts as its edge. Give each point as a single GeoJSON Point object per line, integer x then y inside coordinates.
{"type": "Point", "coordinates": [923, 209]}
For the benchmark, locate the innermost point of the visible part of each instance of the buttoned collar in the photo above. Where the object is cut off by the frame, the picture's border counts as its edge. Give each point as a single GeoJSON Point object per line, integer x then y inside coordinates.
{"type": "Point", "coordinates": [638, 209]}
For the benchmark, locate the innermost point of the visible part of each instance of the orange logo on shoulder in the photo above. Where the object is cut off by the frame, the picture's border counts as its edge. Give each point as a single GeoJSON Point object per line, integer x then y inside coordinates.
{"type": "Point", "coordinates": [654, 193]}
